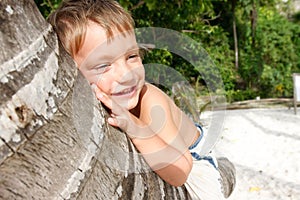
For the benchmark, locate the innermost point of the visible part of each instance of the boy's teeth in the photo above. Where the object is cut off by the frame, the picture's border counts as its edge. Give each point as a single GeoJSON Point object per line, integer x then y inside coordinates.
{"type": "Point", "coordinates": [125, 91]}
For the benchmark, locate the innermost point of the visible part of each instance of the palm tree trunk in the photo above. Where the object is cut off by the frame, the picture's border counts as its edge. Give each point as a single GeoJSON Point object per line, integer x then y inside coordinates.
{"type": "Point", "coordinates": [54, 143]}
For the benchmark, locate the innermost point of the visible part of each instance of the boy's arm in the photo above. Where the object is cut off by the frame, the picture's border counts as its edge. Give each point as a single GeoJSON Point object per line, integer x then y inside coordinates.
{"type": "Point", "coordinates": [177, 132]}
{"type": "Point", "coordinates": [156, 135]}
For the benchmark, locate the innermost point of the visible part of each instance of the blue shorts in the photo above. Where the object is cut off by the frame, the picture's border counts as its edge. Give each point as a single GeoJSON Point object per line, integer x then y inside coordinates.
{"type": "Point", "coordinates": [193, 148]}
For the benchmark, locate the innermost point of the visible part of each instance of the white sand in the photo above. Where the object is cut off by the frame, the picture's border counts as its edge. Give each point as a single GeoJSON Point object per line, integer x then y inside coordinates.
{"type": "Point", "coordinates": [264, 145]}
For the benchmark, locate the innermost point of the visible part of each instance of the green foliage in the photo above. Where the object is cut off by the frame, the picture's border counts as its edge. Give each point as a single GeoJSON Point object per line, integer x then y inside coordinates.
{"type": "Point", "coordinates": [176, 15]}
{"type": "Point", "coordinates": [191, 18]}
{"type": "Point", "coordinates": [268, 66]}
{"type": "Point", "coordinates": [241, 95]}
{"type": "Point", "coordinates": [46, 6]}
{"type": "Point", "coordinates": [296, 17]}
{"type": "Point", "coordinates": [268, 42]}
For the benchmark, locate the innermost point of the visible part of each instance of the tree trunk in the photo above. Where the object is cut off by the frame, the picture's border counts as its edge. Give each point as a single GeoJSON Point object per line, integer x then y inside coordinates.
{"type": "Point", "coordinates": [55, 143]}
{"type": "Point", "coordinates": [236, 50]}
{"type": "Point", "coordinates": [253, 16]}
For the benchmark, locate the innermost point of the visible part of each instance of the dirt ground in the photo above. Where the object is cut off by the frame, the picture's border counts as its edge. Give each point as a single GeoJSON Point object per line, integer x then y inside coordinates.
{"type": "Point", "coordinates": [264, 145]}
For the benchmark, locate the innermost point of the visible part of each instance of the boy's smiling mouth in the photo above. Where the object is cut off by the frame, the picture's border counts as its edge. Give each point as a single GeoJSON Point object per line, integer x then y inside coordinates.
{"type": "Point", "coordinates": [127, 91]}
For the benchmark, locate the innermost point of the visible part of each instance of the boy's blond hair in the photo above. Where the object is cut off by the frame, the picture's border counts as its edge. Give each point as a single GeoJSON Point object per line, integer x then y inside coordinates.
{"type": "Point", "coordinates": [70, 20]}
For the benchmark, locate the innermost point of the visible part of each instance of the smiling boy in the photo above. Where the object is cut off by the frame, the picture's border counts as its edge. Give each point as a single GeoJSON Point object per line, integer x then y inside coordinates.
{"type": "Point", "coordinates": [99, 35]}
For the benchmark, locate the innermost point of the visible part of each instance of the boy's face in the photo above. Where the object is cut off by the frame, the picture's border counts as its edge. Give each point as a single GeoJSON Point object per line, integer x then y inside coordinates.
{"type": "Point", "coordinates": [114, 66]}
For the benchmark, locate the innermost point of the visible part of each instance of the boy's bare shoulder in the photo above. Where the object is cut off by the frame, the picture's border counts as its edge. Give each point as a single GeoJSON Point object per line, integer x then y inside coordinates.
{"type": "Point", "coordinates": [155, 95]}
{"type": "Point", "coordinates": [156, 100]}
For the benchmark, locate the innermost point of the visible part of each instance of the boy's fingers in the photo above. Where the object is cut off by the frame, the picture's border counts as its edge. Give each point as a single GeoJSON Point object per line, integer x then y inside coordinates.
{"type": "Point", "coordinates": [116, 109]}
{"type": "Point", "coordinates": [104, 99]}
{"type": "Point", "coordinates": [119, 122]}
{"type": "Point", "coordinates": [120, 117]}
{"type": "Point", "coordinates": [112, 121]}
{"type": "Point", "coordinates": [101, 96]}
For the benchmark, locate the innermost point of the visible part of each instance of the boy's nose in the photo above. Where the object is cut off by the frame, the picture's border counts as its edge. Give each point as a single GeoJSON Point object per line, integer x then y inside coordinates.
{"type": "Point", "coordinates": [124, 72]}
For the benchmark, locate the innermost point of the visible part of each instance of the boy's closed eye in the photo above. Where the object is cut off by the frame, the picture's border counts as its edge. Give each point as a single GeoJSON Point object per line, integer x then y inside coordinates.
{"type": "Point", "coordinates": [133, 56]}
{"type": "Point", "coordinates": [101, 68]}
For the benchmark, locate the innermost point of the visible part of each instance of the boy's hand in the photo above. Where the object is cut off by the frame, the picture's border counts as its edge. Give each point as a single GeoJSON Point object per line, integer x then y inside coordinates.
{"type": "Point", "coordinates": [169, 156]}
{"type": "Point", "coordinates": [122, 118]}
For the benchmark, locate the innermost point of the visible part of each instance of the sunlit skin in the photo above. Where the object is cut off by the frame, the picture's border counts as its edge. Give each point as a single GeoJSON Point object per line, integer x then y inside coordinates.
{"type": "Point", "coordinates": [159, 130]}
{"type": "Point", "coordinates": [115, 67]}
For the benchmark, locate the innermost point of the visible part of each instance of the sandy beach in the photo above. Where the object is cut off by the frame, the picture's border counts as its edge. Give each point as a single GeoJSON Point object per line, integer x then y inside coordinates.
{"type": "Point", "coordinates": [264, 145]}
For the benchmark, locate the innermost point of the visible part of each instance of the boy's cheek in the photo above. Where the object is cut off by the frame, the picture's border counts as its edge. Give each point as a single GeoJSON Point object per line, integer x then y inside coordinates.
{"type": "Point", "coordinates": [92, 79]}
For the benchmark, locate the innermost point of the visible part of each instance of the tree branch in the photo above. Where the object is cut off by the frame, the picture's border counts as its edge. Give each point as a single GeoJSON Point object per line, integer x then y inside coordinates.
{"type": "Point", "coordinates": [140, 3]}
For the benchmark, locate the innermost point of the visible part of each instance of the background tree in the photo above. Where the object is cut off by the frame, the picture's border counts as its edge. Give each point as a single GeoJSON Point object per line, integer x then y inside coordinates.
{"type": "Point", "coordinates": [254, 56]}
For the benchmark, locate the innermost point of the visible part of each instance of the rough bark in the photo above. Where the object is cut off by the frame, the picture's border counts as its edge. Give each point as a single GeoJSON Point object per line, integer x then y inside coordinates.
{"type": "Point", "coordinates": [54, 142]}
